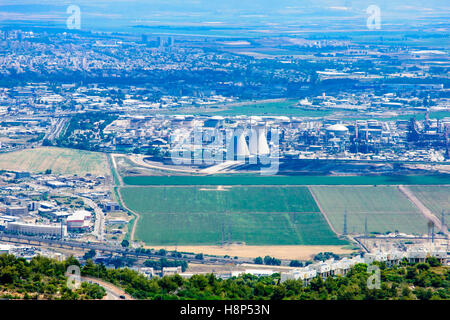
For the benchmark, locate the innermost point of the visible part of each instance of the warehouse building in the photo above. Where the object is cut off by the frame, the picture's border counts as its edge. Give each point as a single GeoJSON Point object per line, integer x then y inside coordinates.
{"type": "Point", "coordinates": [36, 229]}
{"type": "Point", "coordinates": [79, 221]}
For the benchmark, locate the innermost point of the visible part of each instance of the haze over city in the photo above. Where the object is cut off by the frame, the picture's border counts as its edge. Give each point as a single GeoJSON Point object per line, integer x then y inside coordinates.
{"type": "Point", "coordinates": [224, 150]}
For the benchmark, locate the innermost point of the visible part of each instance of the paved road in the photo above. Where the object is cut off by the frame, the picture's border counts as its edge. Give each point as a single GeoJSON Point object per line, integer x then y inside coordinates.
{"type": "Point", "coordinates": [112, 292]}
{"type": "Point", "coordinates": [99, 226]}
{"type": "Point", "coordinates": [423, 209]}
{"type": "Point", "coordinates": [139, 160]}
{"type": "Point", "coordinates": [55, 129]}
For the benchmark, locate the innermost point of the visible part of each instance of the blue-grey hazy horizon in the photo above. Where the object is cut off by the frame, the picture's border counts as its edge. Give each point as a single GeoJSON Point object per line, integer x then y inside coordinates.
{"type": "Point", "coordinates": [126, 15]}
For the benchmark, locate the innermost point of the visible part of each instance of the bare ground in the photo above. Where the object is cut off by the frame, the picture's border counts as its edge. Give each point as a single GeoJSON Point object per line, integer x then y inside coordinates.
{"type": "Point", "coordinates": [279, 252]}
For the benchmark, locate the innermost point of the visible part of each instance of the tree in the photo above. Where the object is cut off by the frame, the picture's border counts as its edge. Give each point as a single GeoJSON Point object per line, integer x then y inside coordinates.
{"type": "Point", "coordinates": [433, 262]}
{"type": "Point", "coordinates": [271, 261]}
{"type": "Point", "coordinates": [161, 252]}
{"type": "Point", "coordinates": [125, 243]}
{"type": "Point", "coordinates": [296, 263]}
{"type": "Point", "coordinates": [72, 261]}
{"type": "Point", "coordinates": [92, 290]}
{"type": "Point", "coordinates": [423, 266]}
{"type": "Point", "coordinates": [323, 256]}
{"type": "Point", "coordinates": [167, 284]}
{"type": "Point", "coordinates": [258, 260]}
{"type": "Point", "coordinates": [199, 256]}
{"type": "Point", "coordinates": [89, 255]}
{"type": "Point", "coordinates": [279, 292]}
{"type": "Point", "coordinates": [423, 294]}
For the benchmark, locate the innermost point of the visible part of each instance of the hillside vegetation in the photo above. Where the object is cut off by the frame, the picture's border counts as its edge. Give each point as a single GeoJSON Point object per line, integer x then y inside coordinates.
{"type": "Point", "coordinates": [41, 278]}
{"type": "Point", "coordinates": [405, 282]}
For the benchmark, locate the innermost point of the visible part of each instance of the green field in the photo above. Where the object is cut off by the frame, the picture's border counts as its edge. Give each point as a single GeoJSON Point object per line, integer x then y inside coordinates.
{"type": "Point", "coordinates": [386, 209]}
{"type": "Point", "coordinates": [279, 108]}
{"type": "Point", "coordinates": [222, 180]}
{"type": "Point", "coordinates": [59, 160]}
{"type": "Point", "coordinates": [435, 198]}
{"type": "Point", "coordinates": [206, 200]}
{"type": "Point", "coordinates": [254, 215]}
{"type": "Point", "coordinates": [251, 108]}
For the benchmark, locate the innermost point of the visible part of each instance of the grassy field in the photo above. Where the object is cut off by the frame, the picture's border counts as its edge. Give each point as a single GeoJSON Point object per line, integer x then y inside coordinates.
{"type": "Point", "coordinates": [59, 160]}
{"type": "Point", "coordinates": [279, 108]}
{"type": "Point", "coordinates": [232, 200]}
{"type": "Point", "coordinates": [386, 209]}
{"type": "Point", "coordinates": [253, 108]}
{"type": "Point", "coordinates": [437, 199]}
{"type": "Point", "coordinates": [256, 216]}
{"type": "Point", "coordinates": [287, 180]}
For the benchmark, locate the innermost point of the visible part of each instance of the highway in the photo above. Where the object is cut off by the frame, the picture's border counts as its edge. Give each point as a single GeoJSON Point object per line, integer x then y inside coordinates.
{"type": "Point", "coordinates": [55, 129]}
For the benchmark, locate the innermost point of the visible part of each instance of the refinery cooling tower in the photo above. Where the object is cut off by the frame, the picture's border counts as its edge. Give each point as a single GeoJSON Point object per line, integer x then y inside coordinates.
{"type": "Point", "coordinates": [238, 145]}
{"type": "Point", "coordinates": [258, 142]}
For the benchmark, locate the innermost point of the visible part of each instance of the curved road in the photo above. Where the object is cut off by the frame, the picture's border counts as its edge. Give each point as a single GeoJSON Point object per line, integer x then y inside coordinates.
{"type": "Point", "coordinates": [112, 292]}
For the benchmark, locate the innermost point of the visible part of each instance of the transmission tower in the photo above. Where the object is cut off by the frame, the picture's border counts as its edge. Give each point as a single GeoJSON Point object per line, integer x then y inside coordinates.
{"type": "Point", "coordinates": [223, 233]}
{"type": "Point", "coordinates": [366, 230]}
{"type": "Point", "coordinates": [345, 222]}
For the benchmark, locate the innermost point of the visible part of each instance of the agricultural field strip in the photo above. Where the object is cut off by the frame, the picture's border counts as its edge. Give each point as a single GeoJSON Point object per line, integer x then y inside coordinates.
{"type": "Point", "coordinates": [59, 160]}
{"type": "Point", "coordinates": [392, 208]}
{"type": "Point", "coordinates": [243, 180]}
{"type": "Point", "coordinates": [256, 227]}
{"type": "Point", "coordinates": [254, 199]}
{"type": "Point", "coordinates": [237, 212]}
{"type": "Point", "coordinates": [274, 185]}
{"type": "Point", "coordinates": [435, 198]}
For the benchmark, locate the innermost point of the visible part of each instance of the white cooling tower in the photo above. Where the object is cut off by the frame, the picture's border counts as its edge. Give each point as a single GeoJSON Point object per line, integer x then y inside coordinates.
{"type": "Point", "coordinates": [258, 142]}
{"type": "Point", "coordinates": [263, 147]}
{"type": "Point", "coordinates": [241, 148]}
{"type": "Point", "coordinates": [253, 143]}
{"type": "Point", "coordinates": [238, 145]}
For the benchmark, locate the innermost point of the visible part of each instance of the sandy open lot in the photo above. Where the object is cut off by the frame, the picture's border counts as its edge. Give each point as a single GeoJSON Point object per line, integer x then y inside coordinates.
{"type": "Point", "coordinates": [279, 252]}
{"type": "Point", "coordinates": [59, 160]}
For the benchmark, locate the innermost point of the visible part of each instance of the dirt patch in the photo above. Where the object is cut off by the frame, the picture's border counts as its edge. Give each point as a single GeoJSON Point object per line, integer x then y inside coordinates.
{"type": "Point", "coordinates": [219, 188]}
{"type": "Point", "coordinates": [279, 252]}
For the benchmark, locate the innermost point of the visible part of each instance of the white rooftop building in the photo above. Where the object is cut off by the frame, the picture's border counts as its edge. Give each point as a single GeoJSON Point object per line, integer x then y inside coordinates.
{"type": "Point", "coordinates": [341, 267]}
{"type": "Point", "coordinates": [79, 220]}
